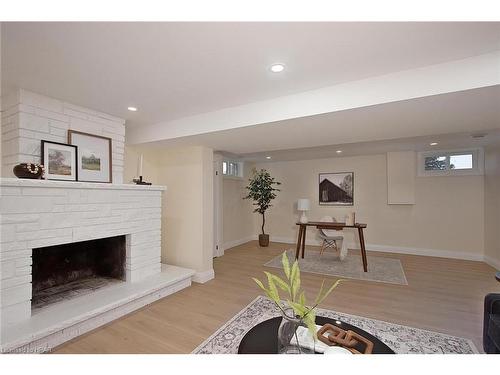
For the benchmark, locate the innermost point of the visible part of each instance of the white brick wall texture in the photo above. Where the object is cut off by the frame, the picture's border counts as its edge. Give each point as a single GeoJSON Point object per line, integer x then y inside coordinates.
{"type": "Point", "coordinates": [27, 118]}
{"type": "Point", "coordinates": [38, 213]}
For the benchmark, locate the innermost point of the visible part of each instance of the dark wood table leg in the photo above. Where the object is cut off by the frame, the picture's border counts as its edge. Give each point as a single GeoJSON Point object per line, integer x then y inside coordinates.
{"type": "Point", "coordinates": [304, 241]}
{"type": "Point", "coordinates": [298, 242]}
{"type": "Point", "coordinates": [363, 249]}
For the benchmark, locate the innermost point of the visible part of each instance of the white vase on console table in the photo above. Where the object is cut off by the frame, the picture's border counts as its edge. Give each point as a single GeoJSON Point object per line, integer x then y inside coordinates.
{"type": "Point", "coordinates": [350, 218]}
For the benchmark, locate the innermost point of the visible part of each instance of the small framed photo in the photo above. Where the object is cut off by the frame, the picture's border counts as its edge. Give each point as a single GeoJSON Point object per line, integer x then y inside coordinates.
{"type": "Point", "coordinates": [336, 189]}
{"type": "Point", "coordinates": [94, 156]}
{"type": "Point", "coordinates": [59, 160]}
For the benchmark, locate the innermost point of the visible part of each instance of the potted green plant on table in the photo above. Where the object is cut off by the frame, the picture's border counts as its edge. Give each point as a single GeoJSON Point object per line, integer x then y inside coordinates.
{"type": "Point", "coordinates": [295, 310]}
{"type": "Point", "coordinates": [261, 189]}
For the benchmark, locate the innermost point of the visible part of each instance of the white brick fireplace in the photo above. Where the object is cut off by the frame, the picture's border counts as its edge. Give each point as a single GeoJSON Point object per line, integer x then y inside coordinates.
{"type": "Point", "coordinates": [37, 213]}
{"type": "Point", "coordinates": [40, 213]}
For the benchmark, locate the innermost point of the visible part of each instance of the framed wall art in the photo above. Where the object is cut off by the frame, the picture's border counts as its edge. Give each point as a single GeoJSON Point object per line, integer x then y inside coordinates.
{"type": "Point", "coordinates": [59, 160]}
{"type": "Point", "coordinates": [94, 156]}
{"type": "Point", "coordinates": [336, 189]}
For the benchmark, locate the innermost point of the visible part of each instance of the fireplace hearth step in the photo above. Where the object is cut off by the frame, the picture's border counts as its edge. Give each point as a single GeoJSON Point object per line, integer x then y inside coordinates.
{"type": "Point", "coordinates": [60, 322]}
{"type": "Point", "coordinates": [69, 290]}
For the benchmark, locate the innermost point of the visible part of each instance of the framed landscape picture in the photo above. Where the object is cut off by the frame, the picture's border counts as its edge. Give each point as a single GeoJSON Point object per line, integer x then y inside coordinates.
{"type": "Point", "coordinates": [59, 160]}
{"type": "Point", "coordinates": [94, 156]}
{"type": "Point", "coordinates": [336, 189]}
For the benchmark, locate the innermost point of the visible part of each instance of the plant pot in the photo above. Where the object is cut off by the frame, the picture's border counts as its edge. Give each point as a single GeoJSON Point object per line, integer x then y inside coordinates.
{"type": "Point", "coordinates": [263, 240]}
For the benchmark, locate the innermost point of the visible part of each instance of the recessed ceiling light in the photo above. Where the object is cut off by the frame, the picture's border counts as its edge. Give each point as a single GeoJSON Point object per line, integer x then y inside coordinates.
{"type": "Point", "coordinates": [277, 68]}
{"type": "Point", "coordinates": [433, 143]}
{"type": "Point", "coordinates": [268, 157]}
{"type": "Point", "coordinates": [338, 151]}
{"type": "Point", "coordinates": [132, 109]}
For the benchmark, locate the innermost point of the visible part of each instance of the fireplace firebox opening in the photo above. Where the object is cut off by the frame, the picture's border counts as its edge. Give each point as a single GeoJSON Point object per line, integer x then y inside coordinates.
{"type": "Point", "coordinates": [66, 271]}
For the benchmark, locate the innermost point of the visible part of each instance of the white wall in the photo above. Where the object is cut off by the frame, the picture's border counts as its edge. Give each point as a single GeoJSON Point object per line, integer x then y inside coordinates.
{"type": "Point", "coordinates": [27, 118]}
{"type": "Point", "coordinates": [206, 186]}
{"type": "Point", "coordinates": [401, 167]}
{"type": "Point", "coordinates": [150, 168]}
{"type": "Point", "coordinates": [447, 218]}
{"type": "Point", "coordinates": [238, 218]}
{"type": "Point", "coordinates": [187, 209]}
{"type": "Point", "coordinates": [492, 206]}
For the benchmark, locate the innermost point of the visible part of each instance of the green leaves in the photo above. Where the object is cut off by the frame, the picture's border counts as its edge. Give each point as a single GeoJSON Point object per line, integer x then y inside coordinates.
{"type": "Point", "coordinates": [321, 296]}
{"type": "Point", "coordinates": [292, 286]}
{"type": "Point", "coordinates": [320, 293]}
{"type": "Point", "coordinates": [259, 283]}
{"type": "Point", "coordinates": [310, 321]}
{"type": "Point", "coordinates": [286, 265]}
{"type": "Point", "coordinates": [261, 190]}
{"type": "Point", "coordinates": [298, 309]}
{"type": "Point", "coordinates": [306, 314]}
{"type": "Point", "coordinates": [279, 282]}
{"type": "Point", "coordinates": [273, 291]}
{"type": "Point", "coordinates": [274, 296]}
{"type": "Point", "coordinates": [302, 298]}
{"type": "Point", "coordinates": [295, 279]}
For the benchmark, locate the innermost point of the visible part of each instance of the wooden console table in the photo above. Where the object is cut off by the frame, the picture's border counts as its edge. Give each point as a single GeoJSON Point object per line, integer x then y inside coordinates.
{"type": "Point", "coordinates": [301, 241]}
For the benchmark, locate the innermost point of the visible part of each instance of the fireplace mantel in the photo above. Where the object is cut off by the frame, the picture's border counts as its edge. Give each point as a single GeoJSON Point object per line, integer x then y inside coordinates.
{"type": "Point", "coordinates": [19, 182]}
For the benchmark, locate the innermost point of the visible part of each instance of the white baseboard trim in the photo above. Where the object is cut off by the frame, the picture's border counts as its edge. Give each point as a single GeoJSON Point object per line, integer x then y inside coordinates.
{"type": "Point", "coordinates": [393, 249]}
{"type": "Point", "coordinates": [423, 252]}
{"type": "Point", "coordinates": [495, 263]}
{"type": "Point", "coordinates": [381, 248]}
{"type": "Point", "coordinates": [309, 242]}
{"type": "Point", "coordinates": [203, 277]}
{"type": "Point", "coordinates": [230, 244]}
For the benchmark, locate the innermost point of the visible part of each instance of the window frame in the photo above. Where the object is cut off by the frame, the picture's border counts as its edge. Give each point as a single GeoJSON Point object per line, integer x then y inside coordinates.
{"type": "Point", "coordinates": [238, 176]}
{"type": "Point", "coordinates": [477, 163]}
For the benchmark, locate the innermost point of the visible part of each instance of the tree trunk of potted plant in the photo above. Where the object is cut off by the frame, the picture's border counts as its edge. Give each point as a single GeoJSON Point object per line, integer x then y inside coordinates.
{"type": "Point", "coordinates": [263, 237]}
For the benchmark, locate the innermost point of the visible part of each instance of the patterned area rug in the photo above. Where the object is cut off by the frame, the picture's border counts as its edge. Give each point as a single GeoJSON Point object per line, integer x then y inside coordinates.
{"type": "Point", "coordinates": [386, 270]}
{"type": "Point", "coordinates": [402, 339]}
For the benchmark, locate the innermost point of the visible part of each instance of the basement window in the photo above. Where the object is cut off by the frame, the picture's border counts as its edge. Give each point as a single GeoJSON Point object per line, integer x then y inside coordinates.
{"type": "Point", "coordinates": [232, 168]}
{"type": "Point", "coordinates": [451, 163]}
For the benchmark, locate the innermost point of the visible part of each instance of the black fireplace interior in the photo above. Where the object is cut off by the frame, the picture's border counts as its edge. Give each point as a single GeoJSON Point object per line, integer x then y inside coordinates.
{"type": "Point", "coordinates": [65, 271]}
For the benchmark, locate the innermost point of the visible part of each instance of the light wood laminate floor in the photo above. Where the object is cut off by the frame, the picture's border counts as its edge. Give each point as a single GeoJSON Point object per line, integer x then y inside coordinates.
{"type": "Point", "coordinates": [444, 295]}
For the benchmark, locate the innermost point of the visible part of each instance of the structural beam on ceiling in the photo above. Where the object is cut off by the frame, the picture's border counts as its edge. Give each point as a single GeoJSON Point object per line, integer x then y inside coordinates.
{"type": "Point", "coordinates": [476, 72]}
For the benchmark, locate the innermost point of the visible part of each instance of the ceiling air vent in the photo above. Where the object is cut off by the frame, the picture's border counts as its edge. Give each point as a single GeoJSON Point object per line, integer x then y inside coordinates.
{"type": "Point", "coordinates": [478, 135]}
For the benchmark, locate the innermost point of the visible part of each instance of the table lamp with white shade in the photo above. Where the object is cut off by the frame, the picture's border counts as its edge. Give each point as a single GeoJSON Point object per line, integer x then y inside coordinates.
{"type": "Point", "coordinates": [303, 205]}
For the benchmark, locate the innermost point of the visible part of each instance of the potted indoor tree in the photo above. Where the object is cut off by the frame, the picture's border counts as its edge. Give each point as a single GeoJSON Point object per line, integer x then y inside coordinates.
{"type": "Point", "coordinates": [261, 189]}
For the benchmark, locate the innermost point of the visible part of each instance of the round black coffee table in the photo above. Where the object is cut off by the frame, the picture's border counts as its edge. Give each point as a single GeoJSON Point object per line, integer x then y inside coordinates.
{"type": "Point", "coordinates": [263, 338]}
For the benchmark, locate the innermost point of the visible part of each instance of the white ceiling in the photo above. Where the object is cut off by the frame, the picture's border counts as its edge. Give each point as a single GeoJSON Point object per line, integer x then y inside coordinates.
{"type": "Point", "coordinates": [173, 70]}
{"type": "Point", "coordinates": [454, 141]}
{"type": "Point", "coordinates": [405, 125]}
